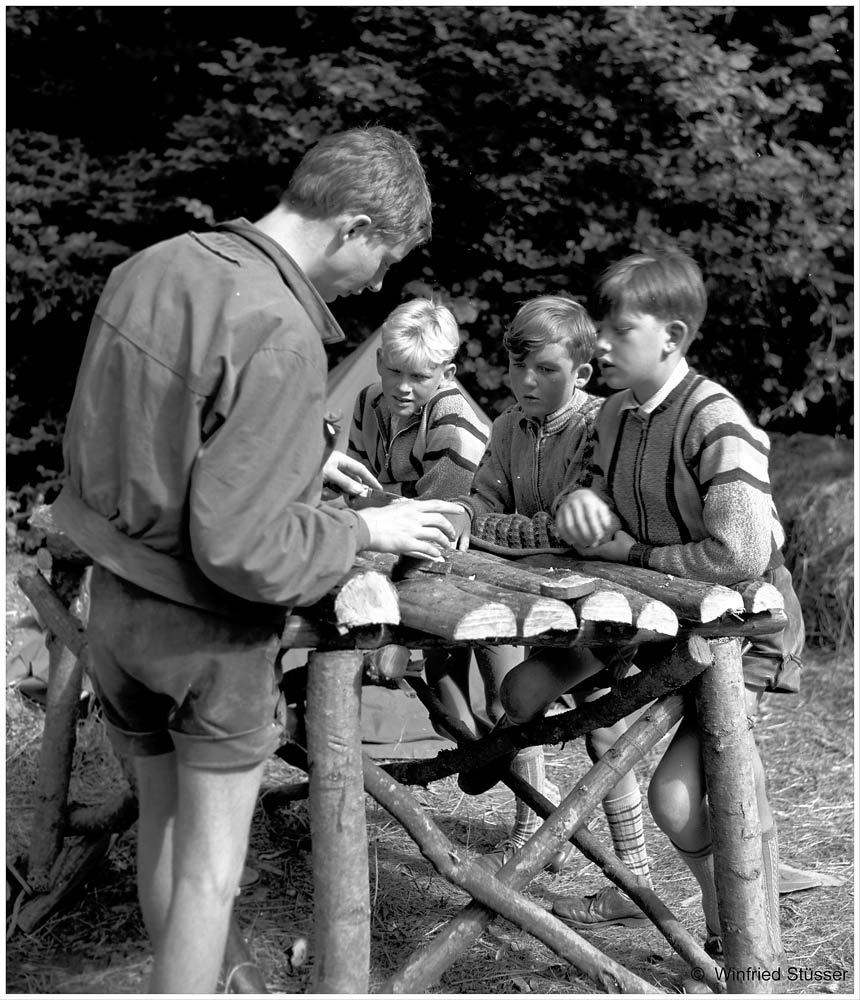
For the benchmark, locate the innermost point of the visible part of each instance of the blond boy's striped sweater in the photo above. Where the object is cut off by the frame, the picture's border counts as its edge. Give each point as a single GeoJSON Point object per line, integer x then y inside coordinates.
{"type": "Point", "coordinates": [434, 456]}
{"type": "Point", "coordinates": [690, 483]}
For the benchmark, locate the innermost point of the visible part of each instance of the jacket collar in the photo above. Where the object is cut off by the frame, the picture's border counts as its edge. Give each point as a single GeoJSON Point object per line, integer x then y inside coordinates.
{"type": "Point", "coordinates": [322, 319]}
{"type": "Point", "coordinates": [555, 422]}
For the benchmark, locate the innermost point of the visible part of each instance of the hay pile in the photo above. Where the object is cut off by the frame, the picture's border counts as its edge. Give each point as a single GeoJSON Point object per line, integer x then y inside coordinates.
{"type": "Point", "coordinates": [820, 553]}
{"type": "Point", "coordinates": [813, 488]}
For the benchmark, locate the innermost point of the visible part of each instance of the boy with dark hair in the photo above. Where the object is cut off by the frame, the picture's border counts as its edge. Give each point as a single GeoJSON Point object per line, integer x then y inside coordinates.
{"type": "Point", "coordinates": [536, 453]}
{"type": "Point", "coordinates": [195, 451]}
{"type": "Point", "coordinates": [683, 468]}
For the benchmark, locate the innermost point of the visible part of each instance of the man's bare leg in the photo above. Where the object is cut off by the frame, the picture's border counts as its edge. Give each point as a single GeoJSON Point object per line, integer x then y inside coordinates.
{"type": "Point", "coordinates": [156, 792]}
{"type": "Point", "coordinates": [210, 840]}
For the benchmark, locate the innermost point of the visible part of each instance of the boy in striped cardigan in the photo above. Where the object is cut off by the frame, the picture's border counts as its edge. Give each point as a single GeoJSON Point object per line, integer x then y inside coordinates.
{"type": "Point", "coordinates": [681, 465]}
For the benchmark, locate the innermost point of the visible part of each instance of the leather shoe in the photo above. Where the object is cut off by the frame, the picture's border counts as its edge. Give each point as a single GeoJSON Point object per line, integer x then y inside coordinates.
{"type": "Point", "coordinates": [607, 908]}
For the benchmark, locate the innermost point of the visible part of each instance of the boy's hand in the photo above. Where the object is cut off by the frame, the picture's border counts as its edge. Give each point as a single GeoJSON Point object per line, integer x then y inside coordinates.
{"type": "Point", "coordinates": [461, 522]}
{"type": "Point", "coordinates": [583, 519]}
{"type": "Point", "coordinates": [417, 527]}
{"type": "Point", "coordinates": [615, 550]}
{"type": "Point", "coordinates": [348, 475]}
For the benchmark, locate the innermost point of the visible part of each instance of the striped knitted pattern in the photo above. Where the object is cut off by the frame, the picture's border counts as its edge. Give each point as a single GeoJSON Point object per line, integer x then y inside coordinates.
{"type": "Point", "coordinates": [690, 482]}
{"type": "Point", "coordinates": [434, 456]}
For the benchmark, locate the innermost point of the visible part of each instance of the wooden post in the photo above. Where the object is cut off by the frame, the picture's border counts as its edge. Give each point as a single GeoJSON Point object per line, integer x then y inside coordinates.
{"type": "Point", "coordinates": [338, 824]}
{"type": "Point", "coordinates": [735, 828]}
{"type": "Point", "coordinates": [62, 707]}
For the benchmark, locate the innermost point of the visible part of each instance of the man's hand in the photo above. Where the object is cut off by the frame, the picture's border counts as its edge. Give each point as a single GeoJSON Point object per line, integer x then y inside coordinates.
{"type": "Point", "coordinates": [348, 475]}
{"type": "Point", "coordinates": [416, 527]}
{"type": "Point", "coordinates": [462, 525]}
{"type": "Point", "coordinates": [583, 519]}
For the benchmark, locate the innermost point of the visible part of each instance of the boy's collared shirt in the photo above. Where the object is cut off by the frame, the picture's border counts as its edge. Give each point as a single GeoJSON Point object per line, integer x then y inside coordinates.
{"type": "Point", "coordinates": [432, 455]}
{"type": "Point", "coordinates": [628, 400]}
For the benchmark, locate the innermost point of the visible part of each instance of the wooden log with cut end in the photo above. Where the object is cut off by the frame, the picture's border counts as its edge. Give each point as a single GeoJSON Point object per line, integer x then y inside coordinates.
{"type": "Point", "coordinates": [534, 614]}
{"type": "Point", "coordinates": [437, 605]}
{"type": "Point", "coordinates": [694, 600]}
{"type": "Point", "coordinates": [649, 614]}
{"type": "Point", "coordinates": [604, 605]}
{"type": "Point", "coordinates": [363, 597]}
{"type": "Point", "coordinates": [760, 596]}
{"type": "Point", "coordinates": [59, 545]}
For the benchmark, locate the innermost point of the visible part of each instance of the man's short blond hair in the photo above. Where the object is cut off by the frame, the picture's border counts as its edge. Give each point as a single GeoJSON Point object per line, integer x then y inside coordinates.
{"type": "Point", "coordinates": [420, 332]}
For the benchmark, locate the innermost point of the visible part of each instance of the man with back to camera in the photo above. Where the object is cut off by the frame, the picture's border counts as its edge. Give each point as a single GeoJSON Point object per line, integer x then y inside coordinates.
{"type": "Point", "coordinates": [195, 451]}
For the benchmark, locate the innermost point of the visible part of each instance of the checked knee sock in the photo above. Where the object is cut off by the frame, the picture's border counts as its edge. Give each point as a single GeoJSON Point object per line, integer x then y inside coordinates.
{"type": "Point", "coordinates": [529, 765]}
{"type": "Point", "coordinates": [624, 815]}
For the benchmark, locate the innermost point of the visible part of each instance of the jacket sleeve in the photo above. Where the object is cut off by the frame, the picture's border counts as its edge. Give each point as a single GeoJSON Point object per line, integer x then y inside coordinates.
{"type": "Point", "coordinates": [256, 526]}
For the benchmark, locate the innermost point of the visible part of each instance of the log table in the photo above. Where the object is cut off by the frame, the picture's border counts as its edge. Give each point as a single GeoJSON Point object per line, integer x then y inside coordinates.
{"type": "Point", "coordinates": [694, 631]}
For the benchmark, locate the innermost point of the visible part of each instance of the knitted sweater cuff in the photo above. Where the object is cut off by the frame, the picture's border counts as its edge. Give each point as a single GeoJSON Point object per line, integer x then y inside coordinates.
{"type": "Point", "coordinates": [638, 554]}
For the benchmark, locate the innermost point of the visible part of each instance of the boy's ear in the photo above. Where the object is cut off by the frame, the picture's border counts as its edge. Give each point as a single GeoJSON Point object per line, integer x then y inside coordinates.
{"type": "Point", "coordinates": [583, 374]}
{"type": "Point", "coordinates": [449, 371]}
{"type": "Point", "coordinates": [351, 226]}
{"type": "Point", "coordinates": [676, 334]}
{"type": "Point", "coordinates": [379, 360]}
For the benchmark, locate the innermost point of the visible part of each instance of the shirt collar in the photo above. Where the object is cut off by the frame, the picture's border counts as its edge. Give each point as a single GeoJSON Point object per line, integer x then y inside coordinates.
{"type": "Point", "coordinates": [650, 405]}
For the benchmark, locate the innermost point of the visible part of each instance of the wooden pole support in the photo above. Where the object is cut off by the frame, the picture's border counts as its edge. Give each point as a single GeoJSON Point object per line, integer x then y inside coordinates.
{"type": "Point", "coordinates": [453, 863]}
{"type": "Point", "coordinates": [426, 966]}
{"type": "Point", "coordinates": [338, 825]}
{"type": "Point", "coordinates": [62, 706]}
{"type": "Point", "coordinates": [735, 829]}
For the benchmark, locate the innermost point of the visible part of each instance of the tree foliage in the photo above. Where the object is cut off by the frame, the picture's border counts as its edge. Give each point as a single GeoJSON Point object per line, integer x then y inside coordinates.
{"type": "Point", "coordinates": [555, 140]}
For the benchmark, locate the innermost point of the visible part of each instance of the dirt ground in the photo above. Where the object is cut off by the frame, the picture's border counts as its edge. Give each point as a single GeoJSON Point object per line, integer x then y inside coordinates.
{"type": "Point", "coordinates": [97, 944]}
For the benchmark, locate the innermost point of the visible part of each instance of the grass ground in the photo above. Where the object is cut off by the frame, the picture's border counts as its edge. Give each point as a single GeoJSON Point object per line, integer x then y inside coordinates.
{"type": "Point", "coordinates": [97, 944]}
